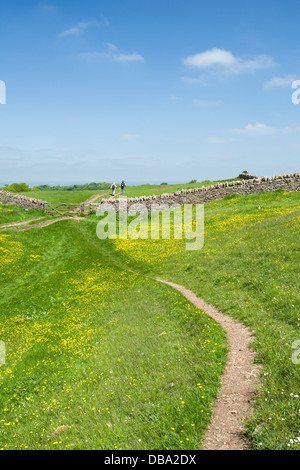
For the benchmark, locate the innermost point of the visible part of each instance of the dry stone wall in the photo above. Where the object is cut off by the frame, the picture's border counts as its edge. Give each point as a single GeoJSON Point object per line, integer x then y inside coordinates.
{"type": "Point", "coordinates": [204, 194]}
{"type": "Point", "coordinates": [200, 195]}
{"type": "Point", "coordinates": [20, 201]}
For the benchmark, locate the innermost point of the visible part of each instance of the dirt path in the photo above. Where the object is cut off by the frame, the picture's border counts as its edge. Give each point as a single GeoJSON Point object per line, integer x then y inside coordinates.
{"type": "Point", "coordinates": [23, 222]}
{"type": "Point", "coordinates": [20, 227]}
{"type": "Point", "coordinates": [97, 196]}
{"type": "Point", "coordinates": [239, 381]}
{"type": "Point", "coordinates": [117, 194]}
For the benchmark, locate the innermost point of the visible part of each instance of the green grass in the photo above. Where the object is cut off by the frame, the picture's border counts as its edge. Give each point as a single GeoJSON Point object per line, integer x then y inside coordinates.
{"type": "Point", "coordinates": [128, 363]}
{"type": "Point", "coordinates": [63, 196]}
{"type": "Point", "coordinates": [123, 361]}
{"type": "Point", "coordinates": [17, 214]}
{"type": "Point", "coordinates": [249, 269]}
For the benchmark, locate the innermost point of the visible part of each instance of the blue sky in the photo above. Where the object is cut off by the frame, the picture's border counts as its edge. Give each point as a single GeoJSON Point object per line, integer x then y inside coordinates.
{"type": "Point", "coordinates": [148, 91]}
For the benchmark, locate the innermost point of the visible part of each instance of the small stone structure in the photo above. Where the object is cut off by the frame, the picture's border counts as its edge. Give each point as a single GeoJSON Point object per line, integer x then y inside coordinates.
{"type": "Point", "coordinates": [200, 195]}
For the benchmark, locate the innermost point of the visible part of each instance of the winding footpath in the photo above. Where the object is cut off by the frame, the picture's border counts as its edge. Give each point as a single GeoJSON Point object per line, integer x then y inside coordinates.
{"type": "Point", "coordinates": [239, 381]}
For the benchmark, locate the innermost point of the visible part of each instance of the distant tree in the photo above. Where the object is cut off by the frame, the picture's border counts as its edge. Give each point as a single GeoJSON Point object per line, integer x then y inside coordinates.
{"type": "Point", "coordinates": [192, 181]}
{"type": "Point", "coordinates": [163, 184]}
{"type": "Point", "coordinates": [75, 187]}
{"type": "Point", "coordinates": [17, 188]}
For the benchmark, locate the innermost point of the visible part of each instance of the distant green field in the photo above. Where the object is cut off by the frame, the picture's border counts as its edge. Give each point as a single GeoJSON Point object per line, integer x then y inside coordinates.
{"type": "Point", "coordinates": [62, 196]}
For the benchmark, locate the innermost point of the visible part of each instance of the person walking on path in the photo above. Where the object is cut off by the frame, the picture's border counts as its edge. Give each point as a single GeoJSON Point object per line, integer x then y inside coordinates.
{"type": "Point", "coordinates": [113, 188]}
{"type": "Point", "coordinates": [123, 186]}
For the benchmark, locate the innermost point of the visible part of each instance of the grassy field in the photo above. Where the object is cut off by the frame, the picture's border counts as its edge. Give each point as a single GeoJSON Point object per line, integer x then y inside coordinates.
{"type": "Point", "coordinates": [14, 214]}
{"type": "Point", "coordinates": [63, 196]}
{"type": "Point", "coordinates": [119, 359]}
{"type": "Point", "coordinates": [98, 357]}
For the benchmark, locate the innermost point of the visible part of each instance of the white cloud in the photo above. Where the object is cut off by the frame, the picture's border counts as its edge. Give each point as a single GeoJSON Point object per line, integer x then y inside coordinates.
{"type": "Point", "coordinates": [277, 82]}
{"type": "Point", "coordinates": [224, 61]}
{"type": "Point", "coordinates": [260, 129]}
{"type": "Point", "coordinates": [209, 58]}
{"type": "Point", "coordinates": [112, 54]}
{"type": "Point", "coordinates": [256, 129]}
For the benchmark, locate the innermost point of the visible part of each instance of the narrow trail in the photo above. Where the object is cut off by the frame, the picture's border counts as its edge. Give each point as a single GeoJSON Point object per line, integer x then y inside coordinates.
{"type": "Point", "coordinates": [23, 222]}
{"type": "Point", "coordinates": [21, 227]}
{"type": "Point", "coordinates": [239, 381]}
{"type": "Point", "coordinates": [97, 196]}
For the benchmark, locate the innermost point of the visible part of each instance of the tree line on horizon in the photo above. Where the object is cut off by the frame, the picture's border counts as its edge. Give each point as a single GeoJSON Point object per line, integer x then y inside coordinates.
{"type": "Point", "coordinates": [24, 187]}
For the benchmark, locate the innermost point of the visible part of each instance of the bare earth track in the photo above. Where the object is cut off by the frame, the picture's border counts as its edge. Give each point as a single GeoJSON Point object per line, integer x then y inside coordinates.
{"type": "Point", "coordinates": [22, 226]}
{"type": "Point", "coordinates": [239, 381]}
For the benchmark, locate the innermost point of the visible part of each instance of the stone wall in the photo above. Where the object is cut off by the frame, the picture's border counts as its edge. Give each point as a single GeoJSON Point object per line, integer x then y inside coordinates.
{"type": "Point", "coordinates": [21, 201]}
{"type": "Point", "coordinates": [200, 195]}
{"type": "Point", "coordinates": [204, 194]}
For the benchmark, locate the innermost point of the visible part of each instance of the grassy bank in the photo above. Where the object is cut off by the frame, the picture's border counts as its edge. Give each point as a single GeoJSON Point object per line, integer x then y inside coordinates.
{"type": "Point", "coordinates": [96, 357]}
{"type": "Point", "coordinates": [248, 268]}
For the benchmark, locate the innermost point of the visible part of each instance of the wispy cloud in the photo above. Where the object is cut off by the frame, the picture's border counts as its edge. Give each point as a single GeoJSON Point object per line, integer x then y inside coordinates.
{"type": "Point", "coordinates": [260, 129]}
{"type": "Point", "coordinates": [222, 61]}
{"type": "Point", "coordinates": [77, 30]}
{"type": "Point", "coordinates": [80, 28]}
{"type": "Point", "coordinates": [112, 54]}
{"type": "Point", "coordinates": [279, 82]}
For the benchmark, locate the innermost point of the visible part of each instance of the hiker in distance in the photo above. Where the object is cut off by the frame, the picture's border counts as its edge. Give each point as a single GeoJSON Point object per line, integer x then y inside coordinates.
{"type": "Point", "coordinates": [113, 188]}
{"type": "Point", "coordinates": [123, 186]}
